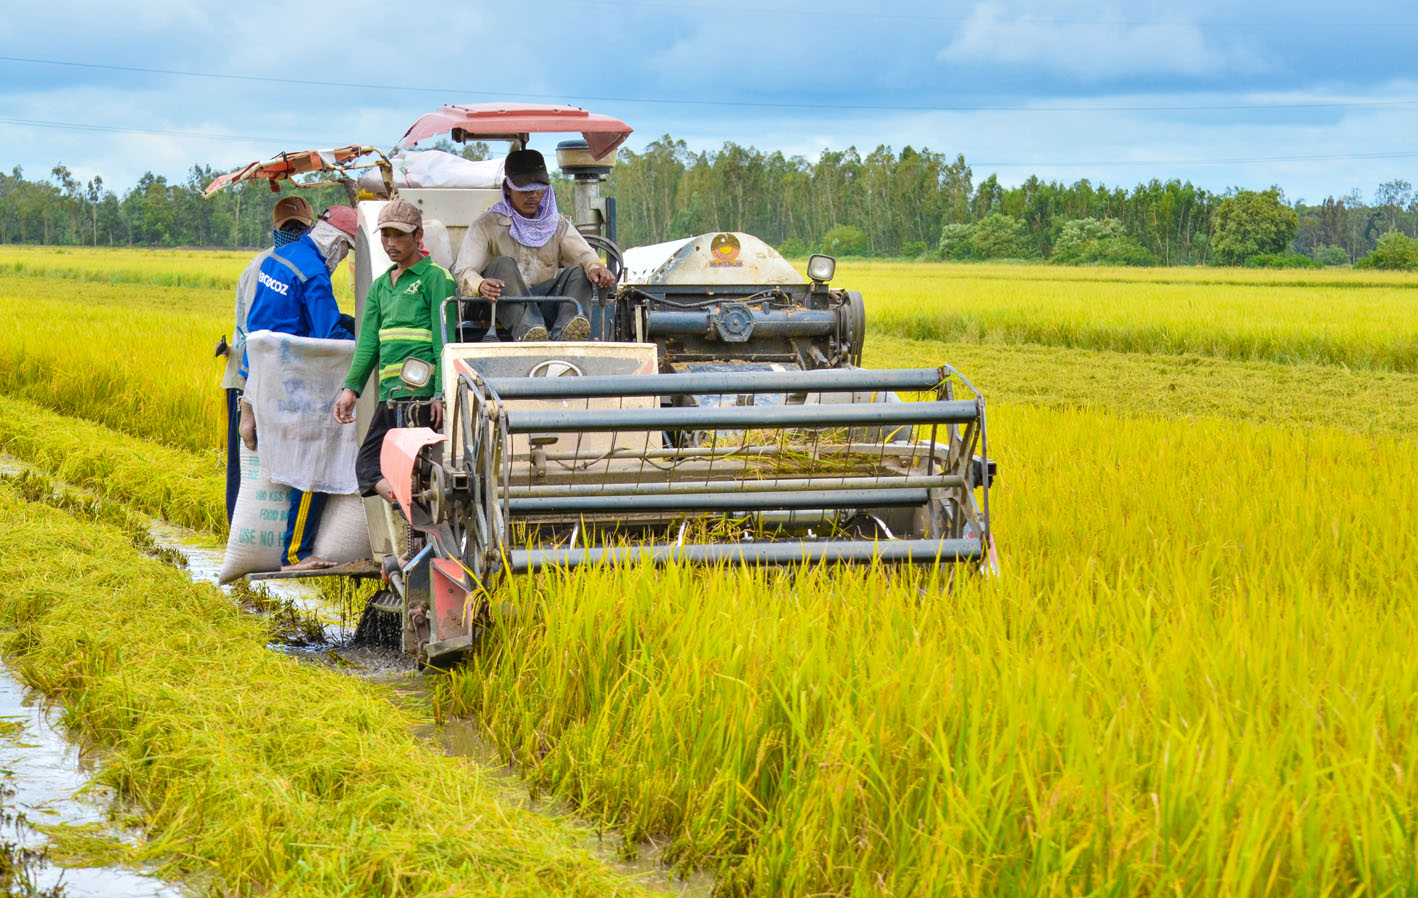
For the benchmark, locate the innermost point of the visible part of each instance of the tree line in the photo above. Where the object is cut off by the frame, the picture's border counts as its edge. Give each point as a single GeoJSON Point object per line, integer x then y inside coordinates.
{"type": "Point", "coordinates": [906, 204]}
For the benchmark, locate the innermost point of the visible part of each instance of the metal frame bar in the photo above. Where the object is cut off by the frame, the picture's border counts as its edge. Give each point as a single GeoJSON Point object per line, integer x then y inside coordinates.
{"type": "Point", "coordinates": [850, 380]}
{"type": "Point", "coordinates": [771, 485]}
{"type": "Point", "coordinates": [719, 502]}
{"type": "Point", "coordinates": [902, 551]}
{"type": "Point", "coordinates": [521, 421]}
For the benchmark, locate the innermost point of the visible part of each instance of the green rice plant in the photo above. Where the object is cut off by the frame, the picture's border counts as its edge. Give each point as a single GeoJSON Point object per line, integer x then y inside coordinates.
{"type": "Point", "coordinates": [136, 358]}
{"type": "Point", "coordinates": [207, 269]}
{"type": "Point", "coordinates": [1194, 676]}
{"type": "Point", "coordinates": [1176, 387]}
{"type": "Point", "coordinates": [251, 772]}
{"type": "Point", "coordinates": [1321, 317]}
{"type": "Point", "coordinates": [183, 487]}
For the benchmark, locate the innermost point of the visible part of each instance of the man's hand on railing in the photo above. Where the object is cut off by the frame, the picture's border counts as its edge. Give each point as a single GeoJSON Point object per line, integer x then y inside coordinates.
{"type": "Point", "coordinates": [601, 276]}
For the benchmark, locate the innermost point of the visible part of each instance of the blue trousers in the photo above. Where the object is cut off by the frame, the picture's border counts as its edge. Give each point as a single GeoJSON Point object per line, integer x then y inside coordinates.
{"type": "Point", "coordinates": [302, 521]}
{"type": "Point", "coordinates": [233, 451]}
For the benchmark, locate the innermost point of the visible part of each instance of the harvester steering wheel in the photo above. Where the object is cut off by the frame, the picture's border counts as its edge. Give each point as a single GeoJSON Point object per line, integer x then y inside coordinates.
{"type": "Point", "coordinates": [615, 259]}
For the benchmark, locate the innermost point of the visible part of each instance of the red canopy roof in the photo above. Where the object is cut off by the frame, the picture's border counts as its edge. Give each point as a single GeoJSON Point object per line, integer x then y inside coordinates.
{"type": "Point", "coordinates": [509, 121]}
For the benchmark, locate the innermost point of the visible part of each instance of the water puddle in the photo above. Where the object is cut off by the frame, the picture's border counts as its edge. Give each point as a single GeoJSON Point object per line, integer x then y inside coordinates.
{"type": "Point", "coordinates": [46, 782]}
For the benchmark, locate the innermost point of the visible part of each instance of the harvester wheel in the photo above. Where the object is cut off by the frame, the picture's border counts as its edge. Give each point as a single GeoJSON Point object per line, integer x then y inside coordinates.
{"type": "Point", "coordinates": [854, 320]}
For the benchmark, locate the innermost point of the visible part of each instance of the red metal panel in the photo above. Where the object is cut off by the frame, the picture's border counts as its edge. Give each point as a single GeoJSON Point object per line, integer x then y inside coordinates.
{"type": "Point", "coordinates": [397, 457]}
{"type": "Point", "coordinates": [450, 598]}
{"type": "Point", "coordinates": [603, 133]}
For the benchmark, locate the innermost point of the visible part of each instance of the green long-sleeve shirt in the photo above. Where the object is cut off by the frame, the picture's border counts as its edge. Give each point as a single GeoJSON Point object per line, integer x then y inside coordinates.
{"type": "Point", "coordinates": [401, 321]}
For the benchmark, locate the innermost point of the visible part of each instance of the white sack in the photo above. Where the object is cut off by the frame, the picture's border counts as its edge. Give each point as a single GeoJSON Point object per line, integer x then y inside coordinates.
{"type": "Point", "coordinates": [292, 387]}
{"type": "Point", "coordinates": [434, 168]}
{"type": "Point", "coordinates": [259, 524]}
{"type": "Point", "coordinates": [435, 240]}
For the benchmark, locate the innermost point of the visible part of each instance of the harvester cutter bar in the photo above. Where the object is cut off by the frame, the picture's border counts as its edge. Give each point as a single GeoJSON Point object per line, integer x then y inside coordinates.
{"type": "Point", "coordinates": [780, 552]}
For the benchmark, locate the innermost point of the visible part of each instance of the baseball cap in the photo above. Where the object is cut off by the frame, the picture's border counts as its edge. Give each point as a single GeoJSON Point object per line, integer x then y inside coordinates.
{"type": "Point", "coordinates": [343, 218]}
{"type": "Point", "coordinates": [525, 167]}
{"type": "Point", "coordinates": [401, 215]}
{"type": "Point", "coordinates": [292, 208]}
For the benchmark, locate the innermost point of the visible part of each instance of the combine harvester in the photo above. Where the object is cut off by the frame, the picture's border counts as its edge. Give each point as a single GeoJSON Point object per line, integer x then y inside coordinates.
{"type": "Point", "coordinates": [717, 415]}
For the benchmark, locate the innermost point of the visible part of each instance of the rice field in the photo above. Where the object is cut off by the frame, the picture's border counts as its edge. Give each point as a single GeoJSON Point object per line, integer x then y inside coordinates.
{"type": "Point", "coordinates": [1194, 676]}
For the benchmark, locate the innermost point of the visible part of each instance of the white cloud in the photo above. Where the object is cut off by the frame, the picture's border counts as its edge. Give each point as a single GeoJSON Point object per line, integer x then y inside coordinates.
{"type": "Point", "coordinates": [1095, 50]}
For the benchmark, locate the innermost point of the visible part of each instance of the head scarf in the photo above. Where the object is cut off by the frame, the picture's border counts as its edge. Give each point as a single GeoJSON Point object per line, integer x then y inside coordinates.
{"type": "Point", "coordinates": [280, 238]}
{"type": "Point", "coordinates": [530, 231]}
{"type": "Point", "coordinates": [332, 242]}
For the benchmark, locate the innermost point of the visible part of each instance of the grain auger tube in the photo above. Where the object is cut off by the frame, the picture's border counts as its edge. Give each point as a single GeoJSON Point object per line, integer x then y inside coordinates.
{"type": "Point", "coordinates": [847, 473]}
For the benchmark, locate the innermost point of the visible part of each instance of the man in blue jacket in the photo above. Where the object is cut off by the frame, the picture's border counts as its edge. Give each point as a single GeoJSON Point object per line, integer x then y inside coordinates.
{"type": "Point", "coordinates": [294, 296]}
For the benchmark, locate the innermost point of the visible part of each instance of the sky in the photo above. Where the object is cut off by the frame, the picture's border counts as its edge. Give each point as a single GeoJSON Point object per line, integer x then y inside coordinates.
{"type": "Point", "coordinates": [1315, 97]}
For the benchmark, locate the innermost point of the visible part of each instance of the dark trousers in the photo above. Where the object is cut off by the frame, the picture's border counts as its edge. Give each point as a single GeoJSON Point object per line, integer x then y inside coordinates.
{"type": "Point", "coordinates": [367, 472]}
{"type": "Point", "coordinates": [233, 451]}
{"type": "Point", "coordinates": [302, 521]}
{"type": "Point", "coordinates": [520, 317]}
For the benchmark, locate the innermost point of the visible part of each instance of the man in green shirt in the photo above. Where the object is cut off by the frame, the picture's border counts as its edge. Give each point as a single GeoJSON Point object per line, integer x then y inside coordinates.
{"type": "Point", "coordinates": [400, 322]}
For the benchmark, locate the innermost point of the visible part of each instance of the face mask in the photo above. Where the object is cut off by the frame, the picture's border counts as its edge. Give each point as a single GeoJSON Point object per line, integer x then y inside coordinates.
{"type": "Point", "coordinates": [333, 243]}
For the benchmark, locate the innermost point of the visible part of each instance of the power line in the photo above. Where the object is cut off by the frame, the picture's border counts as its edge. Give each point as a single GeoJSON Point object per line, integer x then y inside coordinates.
{"type": "Point", "coordinates": [718, 9]}
{"type": "Point", "coordinates": [1252, 160]}
{"type": "Point", "coordinates": [204, 135]}
{"type": "Point", "coordinates": [1036, 163]}
{"type": "Point", "coordinates": [733, 104]}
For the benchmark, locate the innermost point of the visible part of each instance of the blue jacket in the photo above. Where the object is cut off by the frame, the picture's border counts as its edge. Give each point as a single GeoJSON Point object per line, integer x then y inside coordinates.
{"type": "Point", "coordinates": [294, 296]}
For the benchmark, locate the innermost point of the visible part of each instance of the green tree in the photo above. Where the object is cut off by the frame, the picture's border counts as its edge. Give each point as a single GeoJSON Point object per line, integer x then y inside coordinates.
{"type": "Point", "coordinates": [1000, 236]}
{"type": "Point", "coordinates": [956, 239]}
{"type": "Point", "coordinates": [1252, 222]}
{"type": "Point", "coordinates": [1092, 240]}
{"type": "Point", "coordinates": [1396, 251]}
{"type": "Point", "coordinates": [845, 240]}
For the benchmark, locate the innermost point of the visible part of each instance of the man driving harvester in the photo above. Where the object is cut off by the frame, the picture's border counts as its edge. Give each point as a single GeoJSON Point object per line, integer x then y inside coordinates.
{"type": "Point", "coordinates": [522, 240]}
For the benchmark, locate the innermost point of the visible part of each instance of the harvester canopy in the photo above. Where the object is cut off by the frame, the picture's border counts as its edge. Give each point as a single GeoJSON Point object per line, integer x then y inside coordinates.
{"type": "Point", "coordinates": [285, 166]}
{"type": "Point", "coordinates": [504, 121]}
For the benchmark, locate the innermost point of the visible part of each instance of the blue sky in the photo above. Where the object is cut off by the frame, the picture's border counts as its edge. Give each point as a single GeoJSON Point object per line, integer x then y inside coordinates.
{"type": "Point", "coordinates": [1319, 98]}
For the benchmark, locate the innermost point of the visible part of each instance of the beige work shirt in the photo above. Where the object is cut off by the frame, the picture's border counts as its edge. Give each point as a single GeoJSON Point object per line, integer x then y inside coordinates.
{"type": "Point", "coordinates": [490, 235]}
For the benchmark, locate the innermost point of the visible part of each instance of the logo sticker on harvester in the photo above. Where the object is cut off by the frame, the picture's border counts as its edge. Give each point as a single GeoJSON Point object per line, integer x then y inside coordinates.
{"type": "Point", "coordinates": [554, 368]}
{"type": "Point", "coordinates": [725, 252]}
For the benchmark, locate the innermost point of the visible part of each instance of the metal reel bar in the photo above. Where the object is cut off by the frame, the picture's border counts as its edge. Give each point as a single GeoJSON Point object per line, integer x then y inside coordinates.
{"type": "Point", "coordinates": [718, 383]}
{"type": "Point", "coordinates": [873, 414]}
{"type": "Point", "coordinates": [783, 552]}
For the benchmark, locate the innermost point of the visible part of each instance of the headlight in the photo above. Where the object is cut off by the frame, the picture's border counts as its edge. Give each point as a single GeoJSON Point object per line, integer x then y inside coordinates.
{"type": "Point", "coordinates": [416, 373]}
{"type": "Point", "coordinates": [820, 268]}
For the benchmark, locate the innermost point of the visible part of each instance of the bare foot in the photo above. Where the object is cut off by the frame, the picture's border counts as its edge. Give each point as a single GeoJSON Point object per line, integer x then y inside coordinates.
{"type": "Point", "coordinates": [309, 563]}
